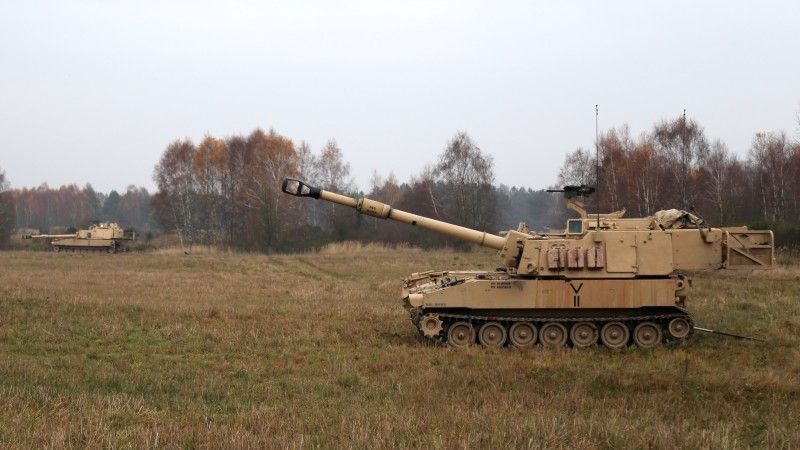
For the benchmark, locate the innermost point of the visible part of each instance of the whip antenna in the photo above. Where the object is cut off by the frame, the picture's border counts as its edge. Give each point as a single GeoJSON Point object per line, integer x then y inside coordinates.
{"type": "Point", "coordinates": [684, 162]}
{"type": "Point", "coordinates": [597, 165]}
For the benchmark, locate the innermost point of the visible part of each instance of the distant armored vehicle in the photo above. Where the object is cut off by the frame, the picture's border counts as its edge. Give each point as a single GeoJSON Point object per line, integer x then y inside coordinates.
{"type": "Point", "coordinates": [99, 238]}
{"type": "Point", "coordinates": [604, 279]}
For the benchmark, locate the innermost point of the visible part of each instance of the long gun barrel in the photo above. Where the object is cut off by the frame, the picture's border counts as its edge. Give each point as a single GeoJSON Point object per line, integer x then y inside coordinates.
{"type": "Point", "coordinates": [383, 211]}
{"type": "Point", "coordinates": [48, 236]}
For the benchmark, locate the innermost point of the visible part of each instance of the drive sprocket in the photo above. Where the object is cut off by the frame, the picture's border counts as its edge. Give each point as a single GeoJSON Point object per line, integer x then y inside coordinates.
{"type": "Point", "coordinates": [431, 325]}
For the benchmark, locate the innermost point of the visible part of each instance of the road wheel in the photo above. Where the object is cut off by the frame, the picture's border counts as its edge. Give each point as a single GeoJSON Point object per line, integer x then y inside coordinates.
{"type": "Point", "coordinates": [492, 334]}
{"type": "Point", "coordinates": [647, 335]}
{"type": "Point", "coordinates": [553, 334]}
{"type": "Point", "coordinates": [679, 328]}
{"type": "Point", "coordinates": [522, 334]}
{"type": "Point", "coordinates": [461, 334]}
{"type": "Point", "coordinates": [614, 335]}
{"type": "Point", "coordinates": [583, 334]}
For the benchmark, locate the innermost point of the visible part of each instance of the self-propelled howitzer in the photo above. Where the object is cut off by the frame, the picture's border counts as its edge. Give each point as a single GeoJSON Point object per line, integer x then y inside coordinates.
{"type": "Point", "coordinates": [103, 237]}
{"type": "Point", "coordinates": [604, 279]}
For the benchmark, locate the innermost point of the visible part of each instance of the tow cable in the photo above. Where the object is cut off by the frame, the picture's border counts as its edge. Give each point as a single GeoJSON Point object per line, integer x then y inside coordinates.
{"type": "Point", "coordinates": [722, 333]}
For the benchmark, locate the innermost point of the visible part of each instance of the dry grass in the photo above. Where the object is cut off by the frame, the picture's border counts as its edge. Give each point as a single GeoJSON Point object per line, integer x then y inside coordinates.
{"type": "Point", "coordinates": [359, 248]}
{"type": "Point", "coordinates": [216, 349]}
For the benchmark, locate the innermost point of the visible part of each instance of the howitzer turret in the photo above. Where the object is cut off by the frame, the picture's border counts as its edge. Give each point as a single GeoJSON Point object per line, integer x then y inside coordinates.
{"type": "Point", "coordinates": [604, 279]}
{"type": "Point", "coordinates": [99, 238]}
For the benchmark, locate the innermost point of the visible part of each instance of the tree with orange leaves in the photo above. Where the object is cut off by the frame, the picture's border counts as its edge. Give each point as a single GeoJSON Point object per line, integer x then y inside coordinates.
{"type": "Point", "coordinates": [210, 170]}
{"type": "Point", "coordinates": [272, 157]}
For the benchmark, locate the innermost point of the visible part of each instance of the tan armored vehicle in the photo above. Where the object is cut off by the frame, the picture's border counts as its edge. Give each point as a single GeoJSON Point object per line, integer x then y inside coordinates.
{"type": "Point", "coordinates": [102, 237]}
{"type": "Point", "coordinates": [604, 279]}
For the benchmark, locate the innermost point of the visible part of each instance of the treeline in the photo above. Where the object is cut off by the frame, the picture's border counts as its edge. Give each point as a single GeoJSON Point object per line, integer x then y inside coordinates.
{"type": "Point", "coordinates": [44, 208]}
{"type": "Point", "coordinates": [675, 165]}
{"type": "Point", "coordinates": [227, 192]}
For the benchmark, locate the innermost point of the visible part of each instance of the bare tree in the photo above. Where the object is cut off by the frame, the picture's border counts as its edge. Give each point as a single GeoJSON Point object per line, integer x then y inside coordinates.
{"type": "Point", "coordinates": [332, 173]}
{"type": "Point", "coordinates": [467, 175]}
{"type": "Point", "coordinates": [770, 156]}
{"type": "Point", "coordinates": [578, 168]}
{"type": "Point", "coordinates": [615, 146]}
{"type": "Point", "coordinates": [307, 166]}
{"type": "Point", "coordinates": [718, 166]}
{"type": "Point", "coordinates": [684, 144]}
{"type": "Point", "coordinates": [797, 119]}
{"type": "Point", "coordinates": [174, 176]}
{"type": "Point", "coordinates": [646, 172]}
{"type": "Point", "coordinates": [307, 162]}
{"type": "Point", "coordinates": [7, 212]}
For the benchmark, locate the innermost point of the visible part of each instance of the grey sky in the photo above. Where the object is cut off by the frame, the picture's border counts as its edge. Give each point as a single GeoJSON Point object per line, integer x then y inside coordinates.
{"type": "Point", "coordinates": [93, 91]}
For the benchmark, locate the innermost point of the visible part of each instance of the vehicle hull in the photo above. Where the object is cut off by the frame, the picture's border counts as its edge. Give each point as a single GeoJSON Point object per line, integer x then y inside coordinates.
{"type": "Point", "coordinates": [474, 299]}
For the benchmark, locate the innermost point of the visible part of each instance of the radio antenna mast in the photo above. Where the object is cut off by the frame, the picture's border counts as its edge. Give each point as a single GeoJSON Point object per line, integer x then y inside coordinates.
{"type": "Point", "coordinates": [684, 161]}
{"type": "Point", "coordinates": [597, 165]}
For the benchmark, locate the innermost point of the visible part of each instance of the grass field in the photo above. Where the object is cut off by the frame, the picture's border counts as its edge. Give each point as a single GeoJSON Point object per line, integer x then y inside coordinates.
{"type": "Point", "coordinates": [228, 350]}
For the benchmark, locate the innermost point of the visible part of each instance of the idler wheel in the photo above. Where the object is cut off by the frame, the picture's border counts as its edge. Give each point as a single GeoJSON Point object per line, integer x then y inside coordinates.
{"type": "Point", "coordinates": [522, 334]}
{"type": "Point", "coordinates": [679, 328]}
{"type": "Point", "coordinates": [553, 334]}
{"type": "Point", "coordinates": [431, 325]}
{"type": "Point", "coordinates": [583, 334]}
{"type": "Point", "coordinates": [614, 335]}
{"type": "Point", "coordinates": [647, 335]}
{"type": "Point", "coordinates": [461, 334]}
{"type": "Point", "coordinates": [492, 334]}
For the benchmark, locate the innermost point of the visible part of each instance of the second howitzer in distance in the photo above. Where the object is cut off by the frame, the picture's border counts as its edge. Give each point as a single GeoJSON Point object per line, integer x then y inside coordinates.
{"type": "Point", "coordinates": [604, 279]}
{"type": "Point", "coordinates": [101, 237]}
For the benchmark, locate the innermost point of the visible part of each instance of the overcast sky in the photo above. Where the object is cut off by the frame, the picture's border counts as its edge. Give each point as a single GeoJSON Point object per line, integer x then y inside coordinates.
{"type": "Point", "coordinates": [93, 91]}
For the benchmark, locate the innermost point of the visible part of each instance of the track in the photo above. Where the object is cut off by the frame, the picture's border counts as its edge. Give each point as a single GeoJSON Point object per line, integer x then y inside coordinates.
{"type": "Point", "coordinates": [613, 329]}
{"type": "Point", "coordinates": [87, 249]}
